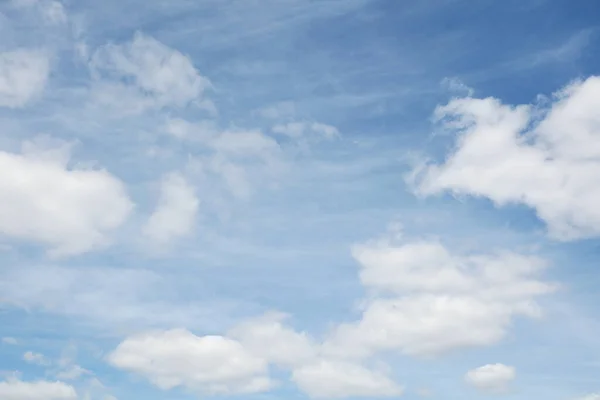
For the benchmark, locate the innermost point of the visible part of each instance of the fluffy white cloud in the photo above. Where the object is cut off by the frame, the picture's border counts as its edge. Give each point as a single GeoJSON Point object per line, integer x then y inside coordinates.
{"type": "Point", "coordinates": [337, 379]}
{"type": "Point", "coordinates": [493, 378]}
{"type": "Point", "coordinates": [44, 200]}
{"type": "Point", "coordinates": [10, 340]}
{"type": "Point", "coordinates": [146, 74]}
{"type": "Point", "coordinates": [268, 338]}
{"type": "Point", "coordinates": [38, 390]}
{"type": "Point", "coordinates": [175, 214]}
{"type": "Point", "coordinates": [429, 301]}
{"type": "Point", "coordinates": [206, 364]}
{"type": "Point", "coordinates": [23, 76]}
{"type": "Point", "coordinates": [545, 156]}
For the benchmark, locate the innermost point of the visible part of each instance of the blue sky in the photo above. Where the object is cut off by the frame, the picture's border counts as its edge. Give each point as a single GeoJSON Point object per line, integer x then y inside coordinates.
{"type": "Point", "coordinates": [322, 199]}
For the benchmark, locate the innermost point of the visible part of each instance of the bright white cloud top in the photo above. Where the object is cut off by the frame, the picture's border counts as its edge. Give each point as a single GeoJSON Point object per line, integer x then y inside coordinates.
{"type": "Point", "coordinates": [193, 195]}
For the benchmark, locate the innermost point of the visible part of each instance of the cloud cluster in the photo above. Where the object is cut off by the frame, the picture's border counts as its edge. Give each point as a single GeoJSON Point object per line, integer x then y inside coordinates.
{"type": "Point", "coordinates": [545, 156]}
{"type": "Point", "coordinates": [422, 298]}
{"type": "Point", "coordinates": [239, 362]}
{"type": "Point", "coordinates": [427, 301]}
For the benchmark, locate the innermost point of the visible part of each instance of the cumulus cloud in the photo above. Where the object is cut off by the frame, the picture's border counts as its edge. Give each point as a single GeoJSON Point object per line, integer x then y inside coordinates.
{"type": "Point", "coordinates": [545, 156]}
{"type": "Point", "coordinates": [175, 214]}
{"type": "Point", "coordinates": [337, 379]}
{"type": "Point", "coordinates": [492, 378]}
{"type": "Point", "coordinates": [205, 364]}
{"type": "Point", "coordinates": [145, 74]}
{"type": "Point", "coordinates": [38, 390]}
{"type": "Point", "coordinates": [318, 376]}
{"type": "Point", "coordinates": [269, 338]}
{"type": "Point", "coordinates": [44, 200]}
{"type": "Point", "coordinates": [23, 76]}
{"type": "Point", "coordinates": [238, 362]}
{"type": "Point", "coordinates": [428, 301]}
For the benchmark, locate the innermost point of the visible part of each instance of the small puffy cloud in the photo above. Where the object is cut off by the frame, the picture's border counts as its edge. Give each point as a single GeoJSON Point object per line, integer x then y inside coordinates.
{"type": "Point", "coordinates": [545, 156]}
{"type": "Point", "coordinates": [44, 200]}
{"type": "Point", "coordinates": [429, 301]}
{"type": "Point", "coordinates": [10, 340]}
{"type": "Point", "coordinates": [23, 76]}
{"type": "Point", "coordinates": [267, 337]}
{"type": "Point", "coordinates": [175, 214]}
{"type": "Point", "coordinates": [492, 378]}
{"type": "Point", "coordinates": [145, 74]}
{"type": "Point", "coordinates": [36, 358]}
{"type": "Point", "coordinates": [338, 379]}
{"type": "Point", "coordinates": [204, 364]}
{"type": "Point", "coordinates": [38, 390]}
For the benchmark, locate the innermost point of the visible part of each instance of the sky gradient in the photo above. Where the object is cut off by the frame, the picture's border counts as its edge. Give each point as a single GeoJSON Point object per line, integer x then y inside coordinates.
{"type": "Point", "coordinates": [299, 199]}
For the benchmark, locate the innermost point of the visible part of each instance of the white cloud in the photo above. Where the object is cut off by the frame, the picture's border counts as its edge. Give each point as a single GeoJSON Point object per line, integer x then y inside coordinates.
{"type": "Point", "coordinates": [429, 301]}
{"type": "Point", "coordinates": [544, 156]}
{"type": "Point", "coordinates": [23, 76]}
{"type": "Point", "coordinates": [10, 340]}
{"type": "Point", "coordinates": [493, 378]}
{"type": "Point", "coordinates": [268, 338]}
{"type": "Point", "coordinates": [146, 74]}
{"type": "Point", "coordinates": [206, 364]}
{"type": "Point", "coordinates": [39, 390]}
{"type": "Point", "coordinates": [44, 200]}
{"type": "Point", "coordinates": [337, 379]}
{"type": "Point", "coordinates": [175, 214]}
{"type": "Point", "coordinates": [36, 358]}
